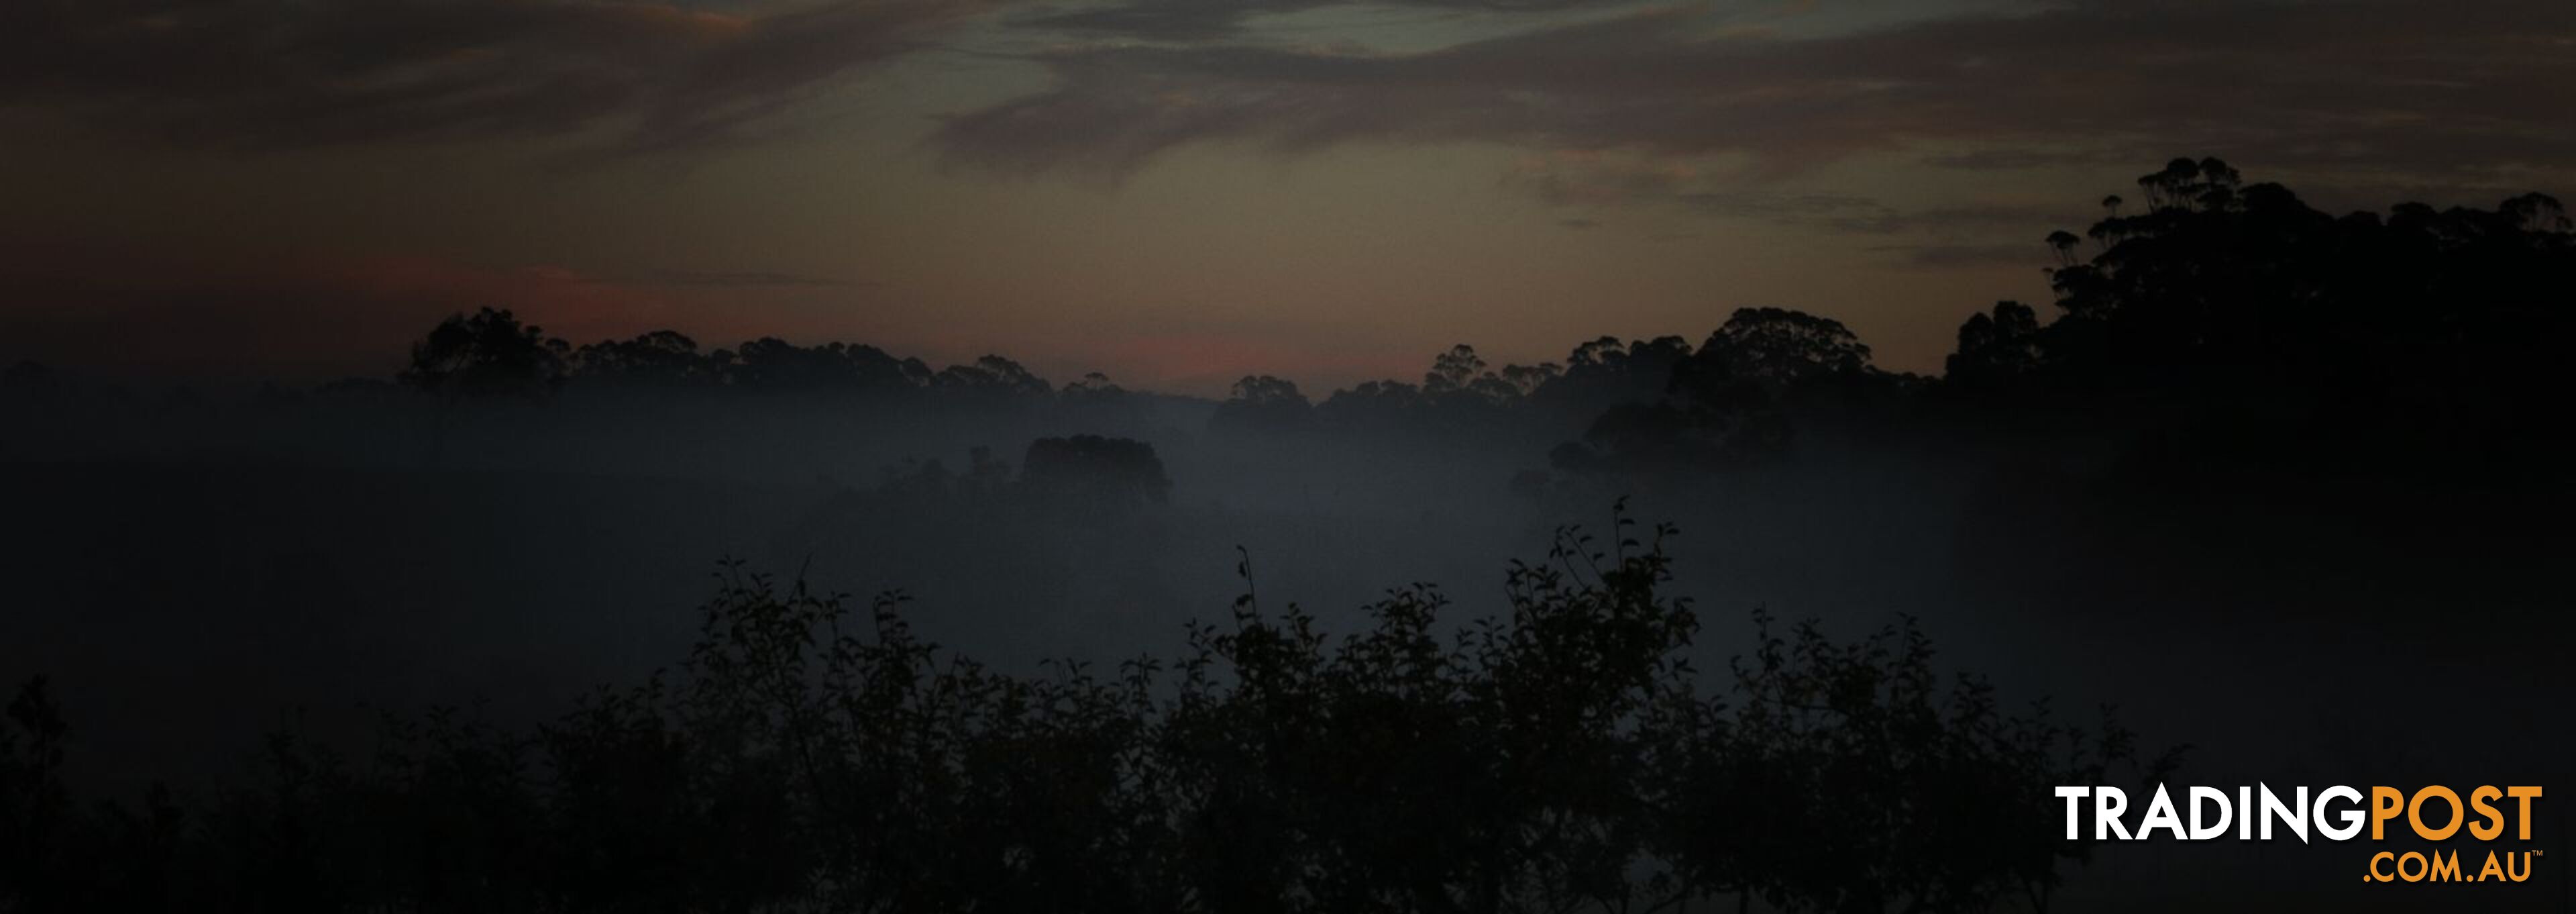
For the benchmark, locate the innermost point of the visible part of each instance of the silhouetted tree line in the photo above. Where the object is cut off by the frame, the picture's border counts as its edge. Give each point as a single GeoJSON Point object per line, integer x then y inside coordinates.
{"type": "Point", "coordinates": [2237, 317]}
{"type": "Point", "coordinates": [814, 754]}
{"type": "Point", "coordinates": [2223, 322]}
{"type": "Point", "coordinates": [1638, 406]}
{"type": "Point", "coordinates": [491, 353]}
{"type": "Point", "coordinates": [2213, 320]}
{"type": "Point", "coordinates": [1082, 472]}
{"type": "Point", "coordinates": [1462, 393]}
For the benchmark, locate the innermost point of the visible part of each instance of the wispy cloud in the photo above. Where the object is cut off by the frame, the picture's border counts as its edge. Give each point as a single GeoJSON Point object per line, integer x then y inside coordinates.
{"type": "Point", "coordinates": [1186, 20]}
{"type": "Point", "coordinates": [2402, 87]}
{"type": "Point", "coordinates": [742, 279]}
{"type": "Point", "coordinates": [1952, 256]}
{"type": "Point", "coordinates": [1595, 180]}
{"type": "Point", "coordinates": [284, 73]}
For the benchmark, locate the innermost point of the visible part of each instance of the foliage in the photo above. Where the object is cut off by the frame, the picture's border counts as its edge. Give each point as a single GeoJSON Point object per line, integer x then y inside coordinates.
{"type": "Point", "coordinates": [662, 358]}
{"type": "Point", "coordinates": [2245, 326]}
{"type": "Point", "coordinates": [1095, 471]}
{"type": "Point", "coordinates": [814, 754]}
{"type": "Point", "coordinates": [489, 354]}
{"type": "Point", "coordinates": [1263, 403]}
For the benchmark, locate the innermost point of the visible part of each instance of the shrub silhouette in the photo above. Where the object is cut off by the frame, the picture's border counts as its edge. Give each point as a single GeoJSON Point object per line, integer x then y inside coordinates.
{"type": "Point", "coordinates": [1095, 471]}
{"type": "Point", "coordinates": [813, 753]}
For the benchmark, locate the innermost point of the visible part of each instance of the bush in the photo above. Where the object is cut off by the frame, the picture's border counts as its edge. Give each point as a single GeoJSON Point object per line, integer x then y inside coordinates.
{"type": "Point", "coordinates": [812, 753]}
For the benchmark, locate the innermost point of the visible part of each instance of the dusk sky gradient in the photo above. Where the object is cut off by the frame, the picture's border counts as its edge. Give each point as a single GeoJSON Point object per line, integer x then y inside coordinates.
{"type": "Point", "coordinates": [1173, 192]}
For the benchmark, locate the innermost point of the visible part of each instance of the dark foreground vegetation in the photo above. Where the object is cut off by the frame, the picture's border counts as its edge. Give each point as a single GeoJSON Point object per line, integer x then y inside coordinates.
{"type": "Point", "coordinates": [814, 754]}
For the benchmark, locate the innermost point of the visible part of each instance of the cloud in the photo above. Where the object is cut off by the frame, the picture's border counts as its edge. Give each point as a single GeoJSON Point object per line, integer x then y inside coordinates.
{"type": "Point", "coordinates": [2448, 89]}
{"type": "Point", "coordinates": [1952, 256]}
{"type": "Point", "coordinates": [1167, 20]}
{"type": "Point", "coordinates": [1597, 180]}
{"type": "Point", "coordinates": [2018, 159]}
{"type": "Point", "coordinates": [287, 73]}
{"type": "Point", "coordinates": [741, 279]}
{"type": "Point", "coordinates": [1185, 20]}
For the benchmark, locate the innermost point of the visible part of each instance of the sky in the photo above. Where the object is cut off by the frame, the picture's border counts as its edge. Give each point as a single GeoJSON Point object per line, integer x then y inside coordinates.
{"type": "Point", "coordinates": [1172, 192]}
